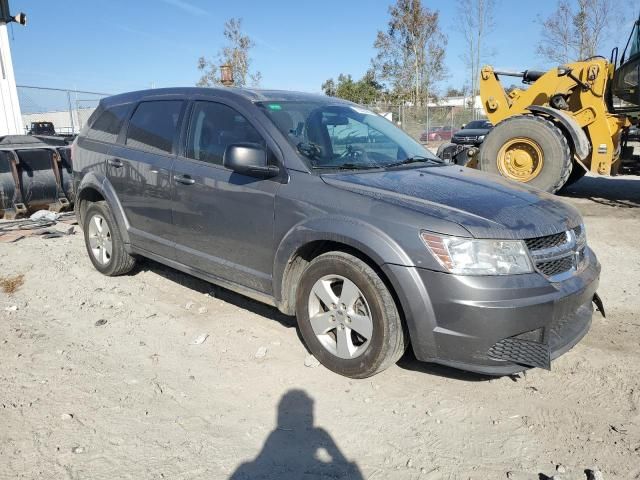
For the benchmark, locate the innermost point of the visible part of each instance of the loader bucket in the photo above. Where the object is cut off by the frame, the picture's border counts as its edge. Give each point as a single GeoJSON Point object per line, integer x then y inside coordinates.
{"type": "Point", "coordinates": [33, 176]}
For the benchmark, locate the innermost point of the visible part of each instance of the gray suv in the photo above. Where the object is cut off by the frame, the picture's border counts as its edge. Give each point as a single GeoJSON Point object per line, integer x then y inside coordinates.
{"type": "Point", "coordinates": [332, 214]}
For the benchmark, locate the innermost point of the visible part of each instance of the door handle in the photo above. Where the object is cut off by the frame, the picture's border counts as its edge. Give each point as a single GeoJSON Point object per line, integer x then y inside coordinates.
{"type": "Point", "coordinates": [184, 179]}
{"type": "Point", "coordinates": [115, 162]}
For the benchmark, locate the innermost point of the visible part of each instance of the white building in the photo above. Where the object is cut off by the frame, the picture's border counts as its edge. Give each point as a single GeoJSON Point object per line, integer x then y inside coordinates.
{"type": "Point", "coordinates": [10, 118]}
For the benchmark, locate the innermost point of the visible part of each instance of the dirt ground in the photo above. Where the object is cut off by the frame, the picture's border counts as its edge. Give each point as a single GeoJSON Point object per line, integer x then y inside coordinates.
{"type": "Point", "coordinates": [99, 379]}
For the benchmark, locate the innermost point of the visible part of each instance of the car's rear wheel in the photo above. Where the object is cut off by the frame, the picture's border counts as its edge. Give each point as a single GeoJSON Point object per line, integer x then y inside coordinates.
{"type": "Point", "coordinates": [104, 243]}
{"type": "Point", "coordinates": [348, 317]}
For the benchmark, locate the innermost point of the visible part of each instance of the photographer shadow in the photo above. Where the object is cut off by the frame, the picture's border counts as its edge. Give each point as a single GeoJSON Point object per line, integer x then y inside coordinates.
{"type": "Point", "coordinates": [297, 449]}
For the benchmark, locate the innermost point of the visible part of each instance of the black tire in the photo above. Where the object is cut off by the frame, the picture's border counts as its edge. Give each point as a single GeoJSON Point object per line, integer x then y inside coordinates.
{"type": "Point", "coordinates": [120, 262]}
{"type": "Point", "coordinates": [388, 338]}
{"type": "Point", "coordinates": [557, 165]}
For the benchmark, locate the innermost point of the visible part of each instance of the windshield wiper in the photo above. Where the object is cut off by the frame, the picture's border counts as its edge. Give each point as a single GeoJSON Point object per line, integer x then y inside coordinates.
{"type": "Point", "coordinates": [346, 166]}
{"type": "Point", "coordinates": [415, 159]}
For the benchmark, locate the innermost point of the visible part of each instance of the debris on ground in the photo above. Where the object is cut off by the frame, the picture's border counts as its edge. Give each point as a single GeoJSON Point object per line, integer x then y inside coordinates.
{"type": "Point", "coordinates": [200, 339]}
{"type": "Point", "coordinates": [11, 284]}
{"type": "Point", "coordinates": [45, 215]}
{"type": "Point", "coordinates": [42, 225]}
{"type": "Point", "coordinates": [594, 474]}
{"type": "Point", "coordinates": [262, 352]}
{"type": "Point", "coordinates": [100, 322]}
{"type": "Point", "coordinates": [11, 308]}
{"type": "Point", "coordinates": [311, 361]}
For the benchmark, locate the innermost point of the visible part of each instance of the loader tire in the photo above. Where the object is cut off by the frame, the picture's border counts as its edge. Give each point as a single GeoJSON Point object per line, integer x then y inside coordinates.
{"type": "Point", "coordinates": [528, 149]}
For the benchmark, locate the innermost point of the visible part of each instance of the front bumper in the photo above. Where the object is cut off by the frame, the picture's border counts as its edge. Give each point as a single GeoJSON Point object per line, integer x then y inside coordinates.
{"type": "Point", "coordinates": [496, 325]}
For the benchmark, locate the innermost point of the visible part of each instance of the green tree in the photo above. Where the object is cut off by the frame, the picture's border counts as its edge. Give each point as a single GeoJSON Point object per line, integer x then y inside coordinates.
{"type": "Point", "coordinates": [236, 54]}
{"type": "Point", "coordinates": [365, 91]}
{"type": "Point", "coordinates": [454, 92]}
{"type": "Point", "coordinates": [410, 53]}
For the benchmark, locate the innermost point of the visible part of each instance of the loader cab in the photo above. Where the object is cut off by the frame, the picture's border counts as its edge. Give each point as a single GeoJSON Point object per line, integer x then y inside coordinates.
{"type": "Point", "coordinates": [626, 77]}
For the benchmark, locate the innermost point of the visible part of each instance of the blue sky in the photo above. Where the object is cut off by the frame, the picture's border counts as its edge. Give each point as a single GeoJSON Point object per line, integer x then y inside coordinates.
{"type": "Point", "coordinates": [118, 45]}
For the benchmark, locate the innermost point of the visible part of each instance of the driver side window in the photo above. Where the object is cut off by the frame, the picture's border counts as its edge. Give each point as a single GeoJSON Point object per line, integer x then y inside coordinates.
{"type": "Point", "coordinates": [213, 128]}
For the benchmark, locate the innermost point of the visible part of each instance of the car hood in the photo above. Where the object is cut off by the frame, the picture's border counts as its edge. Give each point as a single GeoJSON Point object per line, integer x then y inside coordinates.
{"type": "Point", "coordinates": [487, 206]}
{"type": "Point", "coordinates": [474, 132]}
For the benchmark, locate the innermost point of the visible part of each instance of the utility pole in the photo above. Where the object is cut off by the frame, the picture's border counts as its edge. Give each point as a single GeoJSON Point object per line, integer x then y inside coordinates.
{"type": "Point", "coordinates": [11, 117]}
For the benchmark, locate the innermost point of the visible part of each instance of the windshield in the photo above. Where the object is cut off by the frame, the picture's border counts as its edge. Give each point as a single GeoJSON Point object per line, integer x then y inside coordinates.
{"type": "Point", "coordinates": [344, 136]}
{"type": "Point", "coordinates": [477, 124]}
{"type": "Point", "coordinates": [635, 40]}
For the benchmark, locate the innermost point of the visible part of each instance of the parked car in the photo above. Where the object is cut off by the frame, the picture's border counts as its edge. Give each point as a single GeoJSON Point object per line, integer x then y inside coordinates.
{"type": "Point", "coordinates": [371, 245]}
{"type": "Point", "coordinates": [41, 128]}
{"type": "Point", "coordinates": [437, 134]}
{"type": "Point", "coordinates": [634, 133]}
{"type": "Point", "coordinates": [472, 133]}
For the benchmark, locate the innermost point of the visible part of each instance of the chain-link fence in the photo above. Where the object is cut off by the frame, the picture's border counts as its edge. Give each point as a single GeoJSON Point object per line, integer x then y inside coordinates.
{"type": "Point", "coordinates": [68, 110]}
{"type": "Point", "coordinates": [430, 125]}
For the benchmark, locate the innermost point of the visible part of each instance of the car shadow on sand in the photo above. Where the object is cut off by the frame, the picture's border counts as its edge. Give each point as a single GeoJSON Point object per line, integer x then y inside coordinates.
{"type": "Point", "coordinates": [407, 362]}
{"type": "Point", "coordinates": [297, 448]}
{"type": "Point", "coordinates": [216, 291]}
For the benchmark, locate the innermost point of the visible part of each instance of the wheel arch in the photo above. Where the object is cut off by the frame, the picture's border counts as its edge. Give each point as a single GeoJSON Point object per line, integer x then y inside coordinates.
{"type": "Point", "coordinates": [308, 240]}
{"type": "Point", "coordinates": [577, 136]}
{"type": "Point", "coordinates": [95, 187]}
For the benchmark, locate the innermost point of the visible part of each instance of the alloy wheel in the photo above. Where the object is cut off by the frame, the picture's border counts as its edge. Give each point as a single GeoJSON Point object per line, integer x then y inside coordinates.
{"type": "Point", "coordinates": [340, 316]}
{"type": "Point", "coordinates": [100, 239]}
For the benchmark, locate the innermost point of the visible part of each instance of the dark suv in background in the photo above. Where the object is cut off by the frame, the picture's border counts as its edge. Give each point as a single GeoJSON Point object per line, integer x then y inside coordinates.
{"type": "Point", "coordinates": [331, 213]}
{"type": "Point", "coordinates": [472, 133]}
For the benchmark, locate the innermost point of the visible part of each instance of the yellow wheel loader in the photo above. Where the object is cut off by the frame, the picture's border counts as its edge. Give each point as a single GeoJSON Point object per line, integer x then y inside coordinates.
{"type": "Point", "coordinates": [570, 120]}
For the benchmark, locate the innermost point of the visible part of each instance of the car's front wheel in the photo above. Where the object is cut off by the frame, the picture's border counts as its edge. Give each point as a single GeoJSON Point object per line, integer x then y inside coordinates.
{"type": "Point", "coordinates": [348, 317]}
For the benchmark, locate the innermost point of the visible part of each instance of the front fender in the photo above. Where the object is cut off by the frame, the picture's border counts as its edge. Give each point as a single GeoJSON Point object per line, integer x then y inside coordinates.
{"type": "Point", "coordinates": [371, 241]}
{"type": "Point", "coordinates": [102, 185]}
{"type": "Point", "coordinates": [392, 260]}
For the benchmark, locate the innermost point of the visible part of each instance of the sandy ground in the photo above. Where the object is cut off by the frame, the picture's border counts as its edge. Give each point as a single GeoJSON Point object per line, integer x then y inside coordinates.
{"type": "Point", "coordinates": [133, 398]}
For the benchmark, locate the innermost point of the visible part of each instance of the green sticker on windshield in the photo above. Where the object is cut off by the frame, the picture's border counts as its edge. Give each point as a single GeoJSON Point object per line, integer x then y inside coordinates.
{"type": "Point", "coordinates": [275, 106]}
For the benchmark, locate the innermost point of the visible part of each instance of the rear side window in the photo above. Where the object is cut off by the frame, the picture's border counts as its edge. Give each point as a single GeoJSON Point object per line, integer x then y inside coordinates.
{"type": "Point", "coordinates": [213, 128]}
{"type": "Point", "coordinates": [108, 124]}
{"type": "Point", "coordinates": [153, 126]}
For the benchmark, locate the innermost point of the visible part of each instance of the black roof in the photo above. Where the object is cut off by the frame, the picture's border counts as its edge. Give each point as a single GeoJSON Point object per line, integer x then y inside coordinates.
{"type": "Point", "coordinates": [253, 95]}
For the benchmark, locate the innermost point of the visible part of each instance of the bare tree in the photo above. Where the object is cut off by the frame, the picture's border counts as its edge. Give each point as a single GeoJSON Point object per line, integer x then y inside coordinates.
{"type": "Point", "coordinates": [410, 56]}
{"type": "Point", "coordinates": [476, 22]}
{"type": "Point", "coordinates": [575, 30]}
{"type": "Point", "coordinates": [235, 53]}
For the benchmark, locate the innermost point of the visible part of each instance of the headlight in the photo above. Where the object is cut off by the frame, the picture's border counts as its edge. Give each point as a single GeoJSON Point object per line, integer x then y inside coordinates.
{"type": "Point", "coordinates": [581, 235]}
{"type": "Point", "coordinates": [481, 138]}
{"type": "Point", "coordinates": [465, 256]}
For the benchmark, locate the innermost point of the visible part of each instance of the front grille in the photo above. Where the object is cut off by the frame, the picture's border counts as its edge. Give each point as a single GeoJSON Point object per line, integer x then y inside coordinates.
{"type": "Point", "coordinates": [548, 241]}
{"type": "Point", "coordinates": [522, 352]}
{"type": "Point", "coordinates": [558, 253]}
{"type": "Point", "coordinates": [555, 267]}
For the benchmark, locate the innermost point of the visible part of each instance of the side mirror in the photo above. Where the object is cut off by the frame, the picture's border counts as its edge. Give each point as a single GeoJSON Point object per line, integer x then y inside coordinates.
{"type": "Point", "coordinates": [462, 126]}
{"type": "Point", "coordinates": [249, 159]}
{"type": "Point", "coordinates": [563, 71]}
